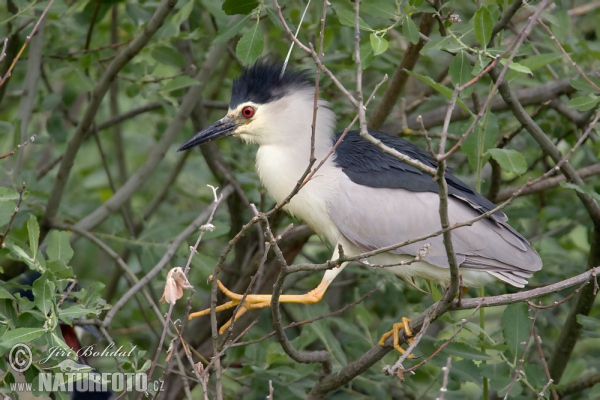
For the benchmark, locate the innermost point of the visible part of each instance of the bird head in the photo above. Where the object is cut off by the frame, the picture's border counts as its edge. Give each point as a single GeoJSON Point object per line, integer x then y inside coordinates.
{"type": "Point", "coordinates": [264, 105]}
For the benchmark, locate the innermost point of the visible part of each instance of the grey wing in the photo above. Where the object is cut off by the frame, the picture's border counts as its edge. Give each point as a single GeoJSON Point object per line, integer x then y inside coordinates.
{"type": "Point", "coordinates": [397, 215]}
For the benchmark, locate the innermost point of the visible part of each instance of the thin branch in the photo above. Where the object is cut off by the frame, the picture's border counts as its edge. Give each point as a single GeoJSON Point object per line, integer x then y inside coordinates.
{"type": "Point", "coordinates": [538, 344]}
{"type": "Point", "coordinates": [562, 50]}
{"type": "Point", "coordinates": [314, 55]}
{"type": "Point", "coordinates": [548, 183]}
{"type": "Point", "coordinates": [130, 276]}
{"type": "Point", "coordinates": [546, 143]}
{"type": "Point", "coordinates": [312, 357]}
{"type": "Point", "coordinates": [443, 345]}
{"type": "Point", "coordinates": [193, 251]}
{"type": "Point", "coordinates": [200, 220]}
{"type": "Point", "coordinates": [446, 371]}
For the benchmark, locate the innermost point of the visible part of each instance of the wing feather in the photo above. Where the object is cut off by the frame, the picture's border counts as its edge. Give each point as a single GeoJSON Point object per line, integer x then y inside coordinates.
{"type": "Point", "coordinates": [396, 215]}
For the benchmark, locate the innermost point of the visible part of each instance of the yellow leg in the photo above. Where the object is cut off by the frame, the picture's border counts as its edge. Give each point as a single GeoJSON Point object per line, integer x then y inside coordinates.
{"type": "Point", "coordinates": [255, 301]}
{"type": "Point", "coordinates": [396, 333]}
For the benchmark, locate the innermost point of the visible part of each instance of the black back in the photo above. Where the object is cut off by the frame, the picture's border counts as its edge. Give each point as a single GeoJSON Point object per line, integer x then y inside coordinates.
{"type": "Point", "coordinates": [366, 165]}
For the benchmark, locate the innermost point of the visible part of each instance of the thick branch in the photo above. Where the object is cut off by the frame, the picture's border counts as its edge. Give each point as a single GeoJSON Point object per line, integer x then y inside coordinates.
{"type": "Point", "coordinates": [526, 97]}
{"type": "Point", "coordinates": [357, 367]}
{"type": "Point", "coordinates": [96, 97]}
{"type": "Point", "coordinates": [138, 178]}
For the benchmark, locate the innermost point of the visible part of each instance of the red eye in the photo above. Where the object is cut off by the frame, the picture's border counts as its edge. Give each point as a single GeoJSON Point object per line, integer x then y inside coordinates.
{"type": "Point", "coordinates": [248, 112]}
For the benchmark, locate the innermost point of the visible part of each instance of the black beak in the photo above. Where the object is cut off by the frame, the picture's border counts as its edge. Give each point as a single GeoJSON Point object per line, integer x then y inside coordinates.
{"type": "Point", "coordinates": [221, 128]}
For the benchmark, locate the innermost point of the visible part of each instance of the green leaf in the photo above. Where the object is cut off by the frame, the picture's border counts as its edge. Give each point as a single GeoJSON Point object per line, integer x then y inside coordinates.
{"type": "Point", "coordinates": [499, 374]}
{"type": "Point", "coordinates": [274, 18]}
{"type": "Point", "coordinates": [594, 394]}
{"type": "Point", "coordinates": [445, 91]}
{"type": "Point", "coordinates": [534, 63]}
{"type": "Point", "coordinates": [6, 211]}
{"type": "Point", "coordinates": [584, 86]}
{"type": "Point", "coordinates": [384, 9]}
{"type": "Point", "coordinates": [465, 351]}
{"type": "Point", "coordinates": [68, 313]}
{"type": "Point", "coordinates": [562, 29]}
{"type": "Point", "coordinates": [183, 13]}
{"type": "Point", "coordinates": [540, 60]}
{"type": "Point", "coordinates": [591, 326]}
{"type": "Point", "coordinates": [59, 247]}
{"type": "Point", "coordinates": [6, 128]}
{"type": "Point", "coordinates": [43, 290]}
{"type": "Point", "coordinates": [378, 44]}
{"type": "Point", "coordinates": [232, 7]}
{"type": "Point", "coordinates": [92, 294]}
{"type": "Point", "coordinates": [585, 189]}
{"type": "Point", "coordinates": [584, 103]}
{"type": "Point", "coordinates": [410, 30]}
{"type": "Point", "coordinates": [250, 46]}
{"type": "Point", "coordinates": [35, 264]}
{"type": "Point", "coordinates": [34, 234]}
{"type": "Point", "coordinates": [60, 269]}
{"type": "Point", "coordinates": [167, 56]}
{"type": "Point", "coordinates": [460, 69]}
{"type": "Point", "coordinates": [232, 29]}
{"type": "Point", "coordinates": [7, 194]}
{"type": "Point", "coordinates": [515, 66]}
{"type": "Point", "coordinates": [472, 145]}
{"type": "Point", "coordinates": [515, 328]}
{"type": "Point", "coordinates": [483, 24]}
{"type": "Point", "coordinates": [346, 17]}
{"type": "Point", "coordinates": [5, 294]}
{"type": "Point", "coordinates": [509, 160]}
{"type": "Point", "coordinates": [448, 43]}
{"type": "Point", "coordinates": [367, 55]}
{"type": "Point", "coordinates": [179, 82]}
{"type": "Point", "coordinates": [20, 335]}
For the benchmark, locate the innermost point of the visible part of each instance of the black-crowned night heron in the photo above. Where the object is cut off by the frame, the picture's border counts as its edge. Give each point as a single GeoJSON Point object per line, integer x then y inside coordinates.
{"type": "Point", "coordinates": [361, 198]}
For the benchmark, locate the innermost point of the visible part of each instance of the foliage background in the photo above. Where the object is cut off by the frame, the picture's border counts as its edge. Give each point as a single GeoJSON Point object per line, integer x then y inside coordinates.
{"type": "Point", "coordinates": [122, 124]}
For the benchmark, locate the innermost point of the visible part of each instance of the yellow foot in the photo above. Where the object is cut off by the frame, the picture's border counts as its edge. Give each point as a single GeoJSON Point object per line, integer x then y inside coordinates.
{"type": "Point", "coordinates": [256, 301]}
{"type": "Point", "coordinates": [396, 333]}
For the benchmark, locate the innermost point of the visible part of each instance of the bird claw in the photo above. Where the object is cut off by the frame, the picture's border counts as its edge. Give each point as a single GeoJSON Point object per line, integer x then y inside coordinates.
{"type": "Point", "coordinates": [407, 335]}
{"type": "Point", "coordinates": [256, 301]}
{"type": "Point", "coordinates": [251, 302]}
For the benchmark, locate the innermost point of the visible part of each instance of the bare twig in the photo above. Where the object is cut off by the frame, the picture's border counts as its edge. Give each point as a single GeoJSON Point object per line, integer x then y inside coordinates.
{"type": "Point", "coordinates": [193, 251]}
{"type": "Point", "coordinates": [446, 371]}
{"type": "Point", "coordinates": [538, 344]}
{"type": "Point", "coordinates": [20, 146]}
{"type": "Point", "coordinates": [27, 39]}
{"type": "Point", "coordinates": [519, 369]}
{"type": "Point", "coordinates": [12, 217]}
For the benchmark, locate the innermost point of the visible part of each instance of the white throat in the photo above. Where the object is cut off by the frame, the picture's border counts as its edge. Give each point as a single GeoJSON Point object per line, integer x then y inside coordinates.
{"type": "Point", "coordinates": [284, 154]}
